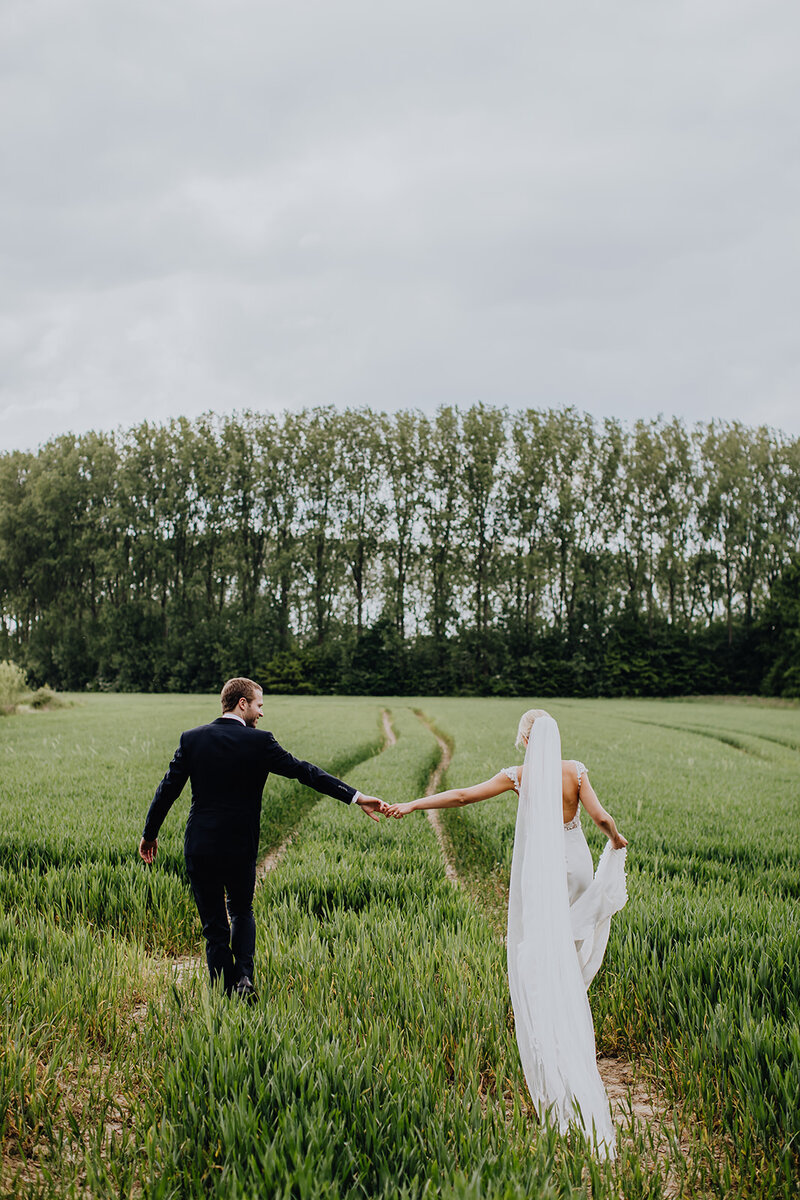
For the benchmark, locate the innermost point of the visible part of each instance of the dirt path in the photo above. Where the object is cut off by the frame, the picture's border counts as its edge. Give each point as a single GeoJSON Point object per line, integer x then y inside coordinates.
{"type": "Point", "coordinates": [270, 861]}
{"type": "Point", "coordinates": [629, 1095]}
{"type": "Point", "coordinates": [635, 1102]}
{"type": "Point", "coordinates": [388, 730]}
{"type": "Point", "coordinates": [431, 813]}
{"type": "Point", "coordinates": [631, 1098]}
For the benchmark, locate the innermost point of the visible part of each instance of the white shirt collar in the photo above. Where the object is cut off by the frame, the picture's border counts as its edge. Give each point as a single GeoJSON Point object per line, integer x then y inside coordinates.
{"type": "Point", "coordinates": [232, 716]}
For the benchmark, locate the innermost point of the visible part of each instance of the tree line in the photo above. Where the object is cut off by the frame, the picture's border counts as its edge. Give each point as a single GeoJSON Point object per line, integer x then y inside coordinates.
{"type": "Point", "coordinates": [476, 551]}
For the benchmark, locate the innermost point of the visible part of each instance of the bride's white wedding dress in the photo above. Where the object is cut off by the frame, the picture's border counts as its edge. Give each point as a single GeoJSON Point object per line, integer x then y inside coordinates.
{"type": "Point", "coordinates": [594, 896]}
{"type": "Point", "coordinates": [559, 916]}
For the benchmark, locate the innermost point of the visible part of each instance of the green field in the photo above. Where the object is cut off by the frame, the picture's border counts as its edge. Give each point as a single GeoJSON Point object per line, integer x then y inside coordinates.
{"type": "Point", "coordinates": [381, 1060]}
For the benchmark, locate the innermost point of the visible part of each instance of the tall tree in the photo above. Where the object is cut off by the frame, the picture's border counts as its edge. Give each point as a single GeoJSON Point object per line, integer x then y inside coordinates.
{"type": "Point", "coordinates": [483, 439]}
{"type": "Point", "coordinates": [440, 514]}
{"type": "Point", "coordinates": [362, 508]}
{"type": "Point", "coordinates": [529, 490]}
{"type": "Point", "coordinates": [449, 551]}
{"type": "Point", "coordinates": [403, 454]}
{"type": "Point", "coordinates": [730, 514]}
{"type": "Point", "coordinates": [283, 568]}
{"type": "Point", "coordinates": [322, 457]}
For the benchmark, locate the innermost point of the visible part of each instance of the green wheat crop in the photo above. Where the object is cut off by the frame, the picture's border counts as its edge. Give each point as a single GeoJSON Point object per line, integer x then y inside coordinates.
{"type": "Point", "coordinates": [380, 1060]}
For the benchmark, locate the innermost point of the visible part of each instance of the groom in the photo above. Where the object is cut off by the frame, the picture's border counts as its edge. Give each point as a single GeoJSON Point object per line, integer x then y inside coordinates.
{"type": "Point", "coordinates": [228, 763]}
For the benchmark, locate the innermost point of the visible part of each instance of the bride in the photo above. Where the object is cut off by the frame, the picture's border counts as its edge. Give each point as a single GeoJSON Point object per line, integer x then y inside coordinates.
{"type": "Point", "coordinates": [559, 914]}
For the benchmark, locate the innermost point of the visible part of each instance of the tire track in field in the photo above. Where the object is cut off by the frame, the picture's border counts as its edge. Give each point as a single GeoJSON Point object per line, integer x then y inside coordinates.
{"type": "Point", "coordinates": [715, 736]}
{"type": "Point", "coordinates": [388, 729]}
{"type": "Point", "coordinates": [636, 1101]}
{"type": "Point", "coordinates": [273, 857]}
{"type": "Point", "coordinates": [433, 786]}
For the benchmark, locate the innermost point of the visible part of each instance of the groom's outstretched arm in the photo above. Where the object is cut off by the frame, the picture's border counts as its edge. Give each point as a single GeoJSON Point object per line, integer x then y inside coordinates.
{"type": "Point", "coordinates": [281, 762]}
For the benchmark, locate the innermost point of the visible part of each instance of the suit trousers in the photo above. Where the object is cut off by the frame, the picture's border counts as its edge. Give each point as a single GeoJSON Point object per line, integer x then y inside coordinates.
{"type": "Point", "coordinates": [228, 927]}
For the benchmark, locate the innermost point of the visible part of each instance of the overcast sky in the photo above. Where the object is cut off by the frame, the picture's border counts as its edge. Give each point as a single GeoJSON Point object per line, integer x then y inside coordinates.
{"type": "Point", "coordinates": [398, 203]}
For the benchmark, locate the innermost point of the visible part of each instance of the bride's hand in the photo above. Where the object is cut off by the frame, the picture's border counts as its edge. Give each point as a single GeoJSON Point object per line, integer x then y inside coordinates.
{"type": "Point", "coordinates": [619, 842]}
{"type": "Point", "coordinates": [399, 810]}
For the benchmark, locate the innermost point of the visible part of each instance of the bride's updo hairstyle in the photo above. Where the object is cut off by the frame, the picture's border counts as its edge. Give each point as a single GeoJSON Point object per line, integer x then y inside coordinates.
{"type": "Point", "coordinates": [526, 724]}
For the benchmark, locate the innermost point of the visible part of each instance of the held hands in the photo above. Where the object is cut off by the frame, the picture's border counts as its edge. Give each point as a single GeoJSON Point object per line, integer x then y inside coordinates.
{"type": "Point", "coordinates": [373, 807]}
{"type": "Point", "coordinates": [400, 810]}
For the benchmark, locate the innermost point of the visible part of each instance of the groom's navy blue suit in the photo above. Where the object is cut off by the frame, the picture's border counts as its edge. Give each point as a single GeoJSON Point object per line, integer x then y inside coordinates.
{"type": "Point", "coordinates": [228, 764]}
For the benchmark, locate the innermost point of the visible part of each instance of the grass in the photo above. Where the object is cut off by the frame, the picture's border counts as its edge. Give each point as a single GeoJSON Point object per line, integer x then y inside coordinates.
{"type": "Point", "coordinates": [381, 1060]}
{"type": "Point", "coordinates": [77, 785]}
{"type": "Point", "coordinates": [703, 970]}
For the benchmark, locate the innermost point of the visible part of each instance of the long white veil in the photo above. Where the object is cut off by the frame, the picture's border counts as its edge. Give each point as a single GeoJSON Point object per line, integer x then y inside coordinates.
{"type": "Point", "coordinates": [553, 1020]}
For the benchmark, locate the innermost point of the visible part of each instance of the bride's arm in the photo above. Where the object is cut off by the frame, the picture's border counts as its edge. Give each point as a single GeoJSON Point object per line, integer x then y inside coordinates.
{"type": "Point", "coordinates": [598, 814]}
{"type": "Point", "coordinates": [455, 797]}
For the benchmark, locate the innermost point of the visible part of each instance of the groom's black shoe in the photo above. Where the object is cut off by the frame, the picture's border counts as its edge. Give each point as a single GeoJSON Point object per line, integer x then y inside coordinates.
{"type": "Point", "coordinates": [245, 990]}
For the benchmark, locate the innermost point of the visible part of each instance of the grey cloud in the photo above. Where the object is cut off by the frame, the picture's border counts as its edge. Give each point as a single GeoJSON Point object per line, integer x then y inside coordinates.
{"type": "Point", "coordinates": [270, 205]}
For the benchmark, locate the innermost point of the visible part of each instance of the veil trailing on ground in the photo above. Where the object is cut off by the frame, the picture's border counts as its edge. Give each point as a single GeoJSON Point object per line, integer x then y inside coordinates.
{"type": "Point", "coordinates": [553, 1021]}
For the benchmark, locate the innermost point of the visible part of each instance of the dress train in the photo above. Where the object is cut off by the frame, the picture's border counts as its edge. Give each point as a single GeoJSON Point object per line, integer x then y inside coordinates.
{"type": "Point", "coordinates": [547, 977]}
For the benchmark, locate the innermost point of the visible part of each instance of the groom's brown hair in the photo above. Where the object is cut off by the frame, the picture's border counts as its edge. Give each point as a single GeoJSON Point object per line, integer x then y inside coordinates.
{"type": "Point", "coordinates": [238, 689]}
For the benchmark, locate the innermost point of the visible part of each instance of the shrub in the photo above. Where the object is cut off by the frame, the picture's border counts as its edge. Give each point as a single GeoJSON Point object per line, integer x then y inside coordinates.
{"type": "Point", "coordinates": [12, 685]}
{"type": "Point", "coordinates": [45, 697]}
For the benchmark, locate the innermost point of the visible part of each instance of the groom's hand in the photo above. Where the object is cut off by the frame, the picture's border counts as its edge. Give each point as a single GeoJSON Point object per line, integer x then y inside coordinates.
{"type": "Point", "coordinates": [372, 806]}
{"type": "Point", "coordinates": [148, 850]}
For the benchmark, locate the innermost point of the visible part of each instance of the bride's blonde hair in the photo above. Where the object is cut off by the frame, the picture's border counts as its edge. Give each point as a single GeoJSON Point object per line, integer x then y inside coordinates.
{"type": "Point", "coordinates": [526, 724]}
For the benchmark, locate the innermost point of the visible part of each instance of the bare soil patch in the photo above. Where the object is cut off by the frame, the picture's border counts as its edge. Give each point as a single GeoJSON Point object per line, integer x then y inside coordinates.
{"type": "Point", "coordinates": [628, 1094]}
{"type": "Point", "coordinates": [388, 730]}
{"type": "Point", "coordinates": [432, 815]}
{"type": "Point", "coordinates": [270, 861]}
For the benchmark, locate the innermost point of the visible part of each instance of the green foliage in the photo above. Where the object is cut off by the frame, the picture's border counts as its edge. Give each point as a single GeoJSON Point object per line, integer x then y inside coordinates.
{"type": "Point", "coordinates": [476, 552]}
{"type": "Point", "coordinates": [703, 965]}
{"type": "Point", "coordinates": [45, 697]}
{"type": "Point", "coordinates": [13, 685]}
{"type": "Point", "coordinates": [83, 783]}
{"type": "Point", "coordinates": [380, 1060]}
{"type": "Point", "coordinates": [782, 626]}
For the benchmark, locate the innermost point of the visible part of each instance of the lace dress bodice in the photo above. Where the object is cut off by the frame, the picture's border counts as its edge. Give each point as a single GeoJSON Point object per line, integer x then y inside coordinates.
{"type": "Point", "coordinates": [575, 823]}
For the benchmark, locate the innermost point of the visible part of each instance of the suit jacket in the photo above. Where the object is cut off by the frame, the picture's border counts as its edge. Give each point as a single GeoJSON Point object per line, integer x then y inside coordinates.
{"type": "Point", "coordinates": [228, 764]}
